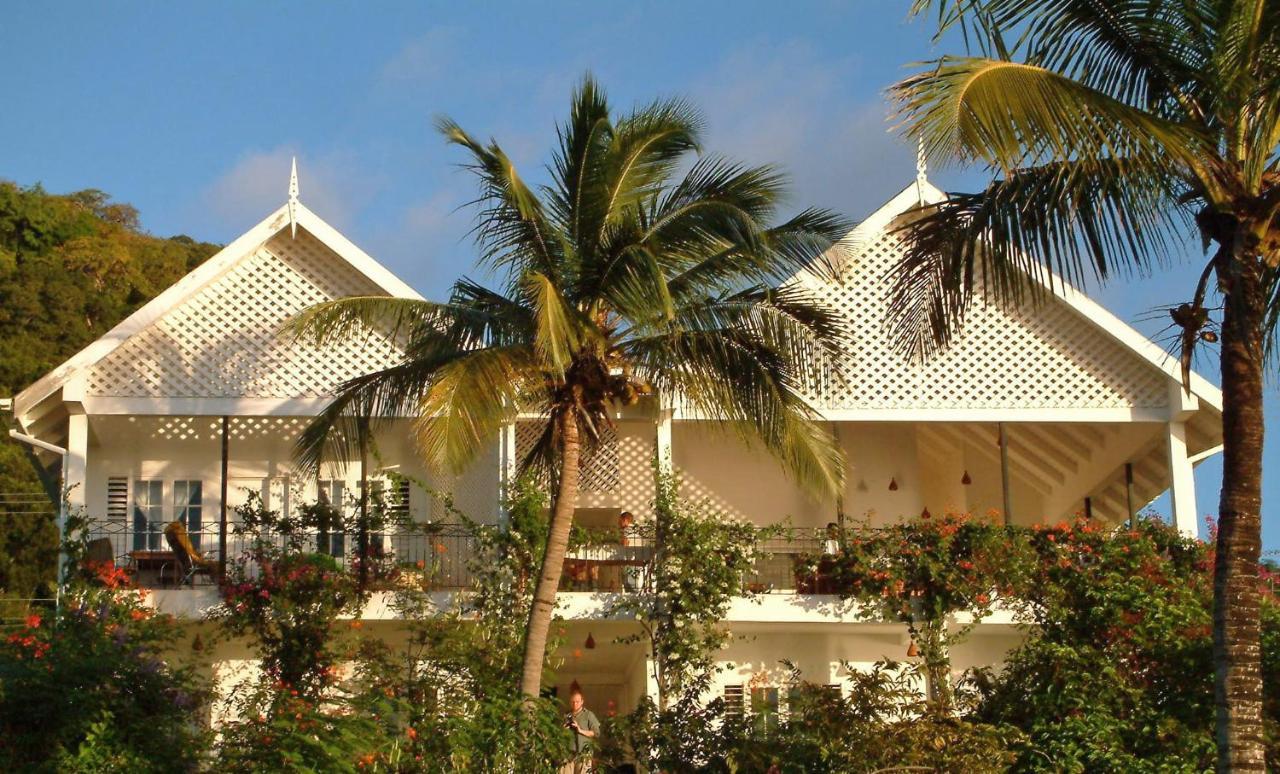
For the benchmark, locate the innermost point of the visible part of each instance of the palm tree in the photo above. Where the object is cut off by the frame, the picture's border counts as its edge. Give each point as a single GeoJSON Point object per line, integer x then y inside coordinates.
{"type": "Point", "coordinates": [621, 279]}
{"type": "Point", "coordinates": [1112, 129]}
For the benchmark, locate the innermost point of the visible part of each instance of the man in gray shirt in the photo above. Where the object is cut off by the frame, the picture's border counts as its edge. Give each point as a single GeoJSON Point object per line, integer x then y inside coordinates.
{"type": "Point", "coordinates": [586, 729]}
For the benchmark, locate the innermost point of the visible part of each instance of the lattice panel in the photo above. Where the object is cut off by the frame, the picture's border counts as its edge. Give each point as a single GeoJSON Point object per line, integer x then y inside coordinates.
{"type": "Point", "coordinates": [475, 490]}
{"type": "Point", "coordinates": [223, 342]}
{"type": "Point", "coordinates": [600, 467]}
{"type": "Point", "coordinates": [1039, 357]}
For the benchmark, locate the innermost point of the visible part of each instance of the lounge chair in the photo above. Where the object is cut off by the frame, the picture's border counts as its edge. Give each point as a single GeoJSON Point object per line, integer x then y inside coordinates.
{"type": "Point", "coordinates": [188, 562]}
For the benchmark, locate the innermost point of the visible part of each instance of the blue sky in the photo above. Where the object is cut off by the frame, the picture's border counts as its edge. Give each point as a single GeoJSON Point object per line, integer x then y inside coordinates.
{"type": "Point", "coordinates": [191, 113]}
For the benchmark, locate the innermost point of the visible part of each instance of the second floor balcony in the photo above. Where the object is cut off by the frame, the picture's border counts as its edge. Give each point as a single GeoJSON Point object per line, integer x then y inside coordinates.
{"type": "Point", "coordinates": [443, 557]}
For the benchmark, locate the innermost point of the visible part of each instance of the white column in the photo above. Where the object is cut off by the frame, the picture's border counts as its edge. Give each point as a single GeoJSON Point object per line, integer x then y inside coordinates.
{"type": "Point", "coordinates": [665, 462]}
{"type": "Point", "coordinates": [650, 678]}
{"type": "Point", "coordinates": [75, 464]}
{"type": "Point", "coordinates": [1182, 489]}
{"type": "Point", "coordinates": [507, 466]}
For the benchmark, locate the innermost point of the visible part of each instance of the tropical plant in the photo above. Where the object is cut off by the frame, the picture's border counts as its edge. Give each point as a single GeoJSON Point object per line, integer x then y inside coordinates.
{"type": "Point", "coordinates": [287, 601]}
{"type": "Point", "coordinates": [102, 684]}
{"type": "Point", "coordinates": [700, 560]}
{"type": "Point", "coordinates": [1112, 129]}
{"type": "Point", "coordinates": [621, 278]}
{"type": "Point", "coordinates": [922, 572]}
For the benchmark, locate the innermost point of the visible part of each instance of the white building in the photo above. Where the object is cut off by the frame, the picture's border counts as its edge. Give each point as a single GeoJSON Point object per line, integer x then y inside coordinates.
{"type": "Point", "coordinates": [196, 395]}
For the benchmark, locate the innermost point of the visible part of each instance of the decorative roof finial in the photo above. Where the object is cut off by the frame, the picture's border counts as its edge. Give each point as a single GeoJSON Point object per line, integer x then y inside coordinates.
{"type": "Point", "coordinates": [921, 168]}
{"type": "Point", "coordinates": [293, 199]}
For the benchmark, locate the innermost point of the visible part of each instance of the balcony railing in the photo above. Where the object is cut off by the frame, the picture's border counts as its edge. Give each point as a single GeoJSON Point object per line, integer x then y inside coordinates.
{"type": "Point", "coordinates": [609, 560]}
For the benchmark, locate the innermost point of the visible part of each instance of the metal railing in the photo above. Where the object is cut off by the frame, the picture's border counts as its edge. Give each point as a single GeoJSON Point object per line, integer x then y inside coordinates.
{"type": "Point", "coordinates": [604, 560]}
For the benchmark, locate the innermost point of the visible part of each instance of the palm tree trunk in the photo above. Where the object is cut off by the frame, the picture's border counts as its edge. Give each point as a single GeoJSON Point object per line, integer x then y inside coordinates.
{"type": "Point", "coordinates": [544, 595]}
{"type": "Point", "coordinates": [1237, 599]}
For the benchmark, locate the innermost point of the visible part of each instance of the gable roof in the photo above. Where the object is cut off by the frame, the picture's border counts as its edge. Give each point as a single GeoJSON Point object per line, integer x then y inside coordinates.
{"type": "Point", "coordinates": [1091, 315]}
{"type": "Point", "coordinates": [201, 277]}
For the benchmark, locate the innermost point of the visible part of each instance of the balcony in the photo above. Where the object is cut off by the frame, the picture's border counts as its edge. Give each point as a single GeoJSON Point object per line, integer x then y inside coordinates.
{"type": "Point", "coordinates": [442, 556]}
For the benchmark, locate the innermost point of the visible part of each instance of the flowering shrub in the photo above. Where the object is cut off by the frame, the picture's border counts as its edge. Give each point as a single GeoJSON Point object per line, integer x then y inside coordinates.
{"type": "Point", "coordinates": [100, 687]}
{"type": "Point", "coordinates": [1116, 671]}
{"type": "Point", "coordinates": [924, 571]}
{"type": "Point", "coordinates": [288, 604]}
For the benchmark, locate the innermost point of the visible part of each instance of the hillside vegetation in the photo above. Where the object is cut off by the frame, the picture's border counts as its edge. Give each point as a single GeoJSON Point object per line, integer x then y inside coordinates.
{"type": "Point", "coordinates": [71, 267]}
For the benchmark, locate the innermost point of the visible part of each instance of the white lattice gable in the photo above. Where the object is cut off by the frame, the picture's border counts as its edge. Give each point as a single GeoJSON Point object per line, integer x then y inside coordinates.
{"type": "Point", "coordinates": [214, 334]}
{"type": "Point", "coordinates": [1065, 353]}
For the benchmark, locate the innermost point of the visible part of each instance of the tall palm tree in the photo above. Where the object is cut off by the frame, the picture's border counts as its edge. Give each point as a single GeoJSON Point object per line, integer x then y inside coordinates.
{"type": "Point", "coordinates": [1112, 129]}
{"type": "Point", "coordinates": [621, 278]}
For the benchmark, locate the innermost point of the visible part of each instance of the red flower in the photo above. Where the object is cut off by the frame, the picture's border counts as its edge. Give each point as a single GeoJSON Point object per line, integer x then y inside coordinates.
{"type": "Point", "coordinates": [33, 621]}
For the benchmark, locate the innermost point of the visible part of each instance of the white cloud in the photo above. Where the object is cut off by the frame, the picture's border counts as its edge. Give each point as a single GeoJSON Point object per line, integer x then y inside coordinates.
{"type": "Point", "coordinates": [783, 104]}
{"type": "Point", "coordinates": [334, 185]}
{"type": "Point", "coordinates": [424, 59]}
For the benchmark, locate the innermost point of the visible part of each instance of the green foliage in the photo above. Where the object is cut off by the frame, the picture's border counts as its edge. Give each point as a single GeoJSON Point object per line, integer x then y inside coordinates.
{"type": "Point", "coordinates": [698, 567]}
{"type": "Point", "coordinates": [451, 687]}
{"type": "Point", "coordinates": [71, 267]}
{"type": "Point", "coordinates": [99, 686]}
{"type": "Point", "coordinates": [922, 573]}
{"type": "Point", "coordinates": [1116, 671]}
{"type": "Point", "coordinates": [881, 723]}
{"type": "Point", "coordinates": [288, 602]}
{"type": "Point", "coordinates": [102, 752]}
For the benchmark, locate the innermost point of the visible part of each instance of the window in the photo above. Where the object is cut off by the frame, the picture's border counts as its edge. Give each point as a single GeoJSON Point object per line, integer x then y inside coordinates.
{"type": "Point", "coordinates": [764, 708]}
{"type": "Point", "coordinates": [188, 508]}
{"type": "Point", "coordinates": [331, 535]}
{"type": "Point", "coordinates": [733, 701]}
{"type": "Point", "coordinates": [148, 515]}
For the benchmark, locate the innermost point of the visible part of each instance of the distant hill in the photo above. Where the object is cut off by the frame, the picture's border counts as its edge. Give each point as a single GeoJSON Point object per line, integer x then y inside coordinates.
{"type": "Point", "coordinates": [71, 267]}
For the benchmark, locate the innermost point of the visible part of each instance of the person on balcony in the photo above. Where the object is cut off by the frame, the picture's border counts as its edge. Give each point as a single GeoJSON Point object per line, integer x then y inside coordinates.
{"type": "Point", "coordinates": [825, 582]}
{"type": "Point", "coordinates": [632, 579]}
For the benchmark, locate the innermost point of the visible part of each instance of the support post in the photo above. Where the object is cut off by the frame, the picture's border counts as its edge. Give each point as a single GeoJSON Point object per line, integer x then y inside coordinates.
{"type": "Point", "coordinates": [666, 465]}
{"type": "Point", "coordinates": [222, 500]}
{"type": "Point", "coordinates": [1128, 493]}
{"type": "Point", "coordinates": [508, 464]}
{"type": "Point", "coordinates": [1182, 487]}
{"type": "Point", "coordinates": [362, 534]}
{"type": "Point", "coordinates": [1004, 474]}
{"type": "Point", "coordinates": [75, 467]}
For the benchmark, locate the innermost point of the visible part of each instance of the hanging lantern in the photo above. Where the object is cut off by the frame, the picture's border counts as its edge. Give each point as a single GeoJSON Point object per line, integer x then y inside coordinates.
{"type": "Point", "coordinates": [925, 514]}
{"type": "Point", "coordinates": [912, 650]}
{"type": "Point", "coordinates": [577, 653]}
{"type": "Point", "coordinates": [893, 484]}
{"type": "Point", "coordinates": [965, 479]}
{"type": "Point", "coordinates": [197, 644]}
{"type": "Point", "coordinates": [862, 485]}
{"type": "Point", "coordinates": [590, 644]}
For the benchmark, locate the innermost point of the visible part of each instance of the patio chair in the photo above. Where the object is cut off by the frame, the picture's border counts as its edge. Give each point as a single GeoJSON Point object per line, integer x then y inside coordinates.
{"type": "Point", "coordinates": [100, 551]}
{"type": "Point", "coordinates": [188, 562]}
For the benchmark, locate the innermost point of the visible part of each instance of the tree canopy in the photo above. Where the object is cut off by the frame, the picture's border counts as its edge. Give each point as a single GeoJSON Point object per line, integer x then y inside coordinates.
{"type": "Point", "coordinates": [71, 267]}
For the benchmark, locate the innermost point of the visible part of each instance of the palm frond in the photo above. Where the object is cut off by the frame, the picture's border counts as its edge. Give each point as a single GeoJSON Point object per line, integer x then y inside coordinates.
{"type": "Point", "coordinates": [470, 398]}
{"type": "Point", "coordinates": [559, 328]}
{"type": "Point", "coordinates": [645, 147]}
{"type": "Point", "coordinates": [512, 230]}
{"type": "Point", "coordinates": [732, 377]}
{"type": "Point", "coordinates": [1012, 115]}
{"type": "Point", "coordinates": [355, 317]}
{"type": "Point", "coordinates": [577, 163]}
{"type": "Point", "coordinates": [1079, 220]}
